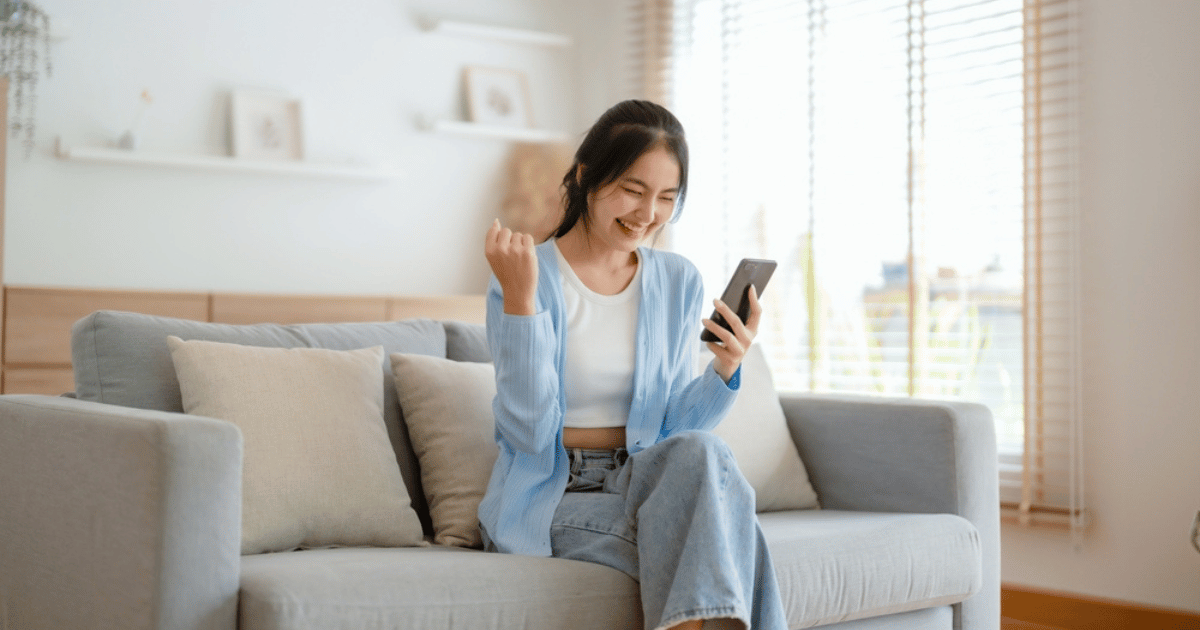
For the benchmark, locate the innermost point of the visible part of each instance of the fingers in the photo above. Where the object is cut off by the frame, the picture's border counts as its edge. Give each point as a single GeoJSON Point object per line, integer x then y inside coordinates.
{"type": "Point", "coordinates": [755, 312]}
{"type": "Point", "coordinates": [501, 240]}
{"type": "Point", "coordinates": [729, 345]}
{"type": "Point", "coordinates": [734, 343]}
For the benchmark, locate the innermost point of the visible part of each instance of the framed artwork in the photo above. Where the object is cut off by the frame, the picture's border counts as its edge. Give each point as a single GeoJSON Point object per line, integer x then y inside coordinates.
{"type": "Point", "coordinates": [265, 126]}
{"type": "Point", "coordinates": [498, 96]}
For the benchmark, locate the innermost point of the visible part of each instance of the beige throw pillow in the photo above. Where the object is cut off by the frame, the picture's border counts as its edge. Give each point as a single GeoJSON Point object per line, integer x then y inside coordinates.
{"type": "Point", "coordinates": [757, 433]}
{"type": "Point", "coordinates": [447, 406]}
{"type": "Point", "coordinates": [318, 468]}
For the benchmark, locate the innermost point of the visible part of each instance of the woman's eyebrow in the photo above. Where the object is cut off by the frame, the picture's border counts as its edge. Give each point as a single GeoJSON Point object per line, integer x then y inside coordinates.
{"type": "Point", "coordinates": [645, 185]}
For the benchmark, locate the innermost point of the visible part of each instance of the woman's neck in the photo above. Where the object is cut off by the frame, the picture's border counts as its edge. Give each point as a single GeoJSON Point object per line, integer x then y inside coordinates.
{"type": "Point", "coordinates": [605, 272]}
{"type": "Point", "coordinates": [583, 253]}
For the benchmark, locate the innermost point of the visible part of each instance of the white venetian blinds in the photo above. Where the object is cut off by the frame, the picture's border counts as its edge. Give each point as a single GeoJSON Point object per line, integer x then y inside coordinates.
{"type": "Point", "coordinates": [910, 164]}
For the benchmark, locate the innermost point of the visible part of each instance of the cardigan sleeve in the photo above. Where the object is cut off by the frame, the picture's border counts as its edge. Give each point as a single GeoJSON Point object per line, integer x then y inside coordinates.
{"type": "Point", "coordinates": [696, 402]}
{"type": "Point", "coordinates": [523, 349]}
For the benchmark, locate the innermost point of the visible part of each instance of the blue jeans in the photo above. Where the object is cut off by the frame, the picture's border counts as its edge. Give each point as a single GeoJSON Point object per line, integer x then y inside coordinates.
{"type": "Point", "coordinates": [678, 517]}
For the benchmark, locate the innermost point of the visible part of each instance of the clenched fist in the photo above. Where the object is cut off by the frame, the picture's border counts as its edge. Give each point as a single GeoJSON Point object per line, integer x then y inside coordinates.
{"type": "Point", "coordinates": [515, 263]}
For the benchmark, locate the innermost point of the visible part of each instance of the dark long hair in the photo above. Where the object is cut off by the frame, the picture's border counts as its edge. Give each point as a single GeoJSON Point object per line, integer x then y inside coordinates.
{"type": "Point", "coordinates": [618, 138]}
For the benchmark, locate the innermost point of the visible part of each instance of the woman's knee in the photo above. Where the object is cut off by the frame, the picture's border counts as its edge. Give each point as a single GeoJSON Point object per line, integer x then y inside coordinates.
{"type": "Point", "coordinates": [698, 445]}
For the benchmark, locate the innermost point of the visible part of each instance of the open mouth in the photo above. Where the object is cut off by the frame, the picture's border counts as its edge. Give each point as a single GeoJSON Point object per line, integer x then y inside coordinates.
{"type": "Point", "coordinates": [632, 231]}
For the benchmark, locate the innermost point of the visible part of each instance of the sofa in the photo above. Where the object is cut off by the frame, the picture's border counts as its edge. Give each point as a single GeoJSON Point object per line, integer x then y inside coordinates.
{"type": "Point", "coordinates": [119, 510]}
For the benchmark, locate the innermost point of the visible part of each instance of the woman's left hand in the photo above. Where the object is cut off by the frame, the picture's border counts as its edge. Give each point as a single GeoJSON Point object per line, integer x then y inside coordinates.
{"type": "Point", "coordinates": [733, 345]}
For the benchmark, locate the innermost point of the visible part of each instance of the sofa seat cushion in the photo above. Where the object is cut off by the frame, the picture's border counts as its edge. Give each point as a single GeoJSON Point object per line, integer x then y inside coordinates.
{"type": "Point", "coordinates": [837, 566]}
{"type": "Point", "coordinates": [832, 567]}
{"type": "Point", "coordinates": [431, 587]}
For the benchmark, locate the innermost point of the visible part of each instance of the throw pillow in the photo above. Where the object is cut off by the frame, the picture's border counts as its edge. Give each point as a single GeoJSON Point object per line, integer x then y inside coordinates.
{"type": "Point", "coordinates": [757, 433]}
{"type": "Point", "coordinates": [318, 469]}
{"type": "Point", "coordinates": [448, 407]}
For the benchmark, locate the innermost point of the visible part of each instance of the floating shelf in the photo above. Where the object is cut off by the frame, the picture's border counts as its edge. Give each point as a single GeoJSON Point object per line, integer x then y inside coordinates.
{"type": "Point", "coordinates": [514, 35]}
{"type": "Point", "coordinates": [219, 163]}
{"type": "Point", "coordinates": [499, 132]}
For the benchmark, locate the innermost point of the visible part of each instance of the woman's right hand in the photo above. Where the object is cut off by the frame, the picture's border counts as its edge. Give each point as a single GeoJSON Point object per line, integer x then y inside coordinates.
{"type": "Point", "coordinates": [515, 263]}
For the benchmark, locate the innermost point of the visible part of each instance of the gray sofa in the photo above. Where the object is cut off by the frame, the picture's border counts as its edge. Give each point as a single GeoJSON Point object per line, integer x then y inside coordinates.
{"type": "Point", "coordinates": [119, 511]}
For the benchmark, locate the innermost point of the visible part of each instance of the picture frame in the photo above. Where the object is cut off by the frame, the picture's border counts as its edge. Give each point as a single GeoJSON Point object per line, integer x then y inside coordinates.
{"type": "Point", "coordinates": [265, 126]}
{"type": "Point", "coordinates": [498, 96]}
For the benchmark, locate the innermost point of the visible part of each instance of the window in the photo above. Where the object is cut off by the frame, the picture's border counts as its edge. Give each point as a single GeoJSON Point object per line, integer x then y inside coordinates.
{"type": "Point", "coordinates": [910, 164]}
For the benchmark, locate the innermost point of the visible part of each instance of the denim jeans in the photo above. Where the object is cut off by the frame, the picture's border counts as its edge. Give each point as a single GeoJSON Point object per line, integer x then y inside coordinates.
{"type": "Point", "coordinates": [678, 517]}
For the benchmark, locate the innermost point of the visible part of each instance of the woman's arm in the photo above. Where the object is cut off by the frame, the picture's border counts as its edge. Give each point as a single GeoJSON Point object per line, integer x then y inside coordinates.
{"type": "Point", "coordinates": [523, 351]}
{"type": "Point", "coordinates": [695, 402]}
{"type": "Point", "coordinates": [523, 343]}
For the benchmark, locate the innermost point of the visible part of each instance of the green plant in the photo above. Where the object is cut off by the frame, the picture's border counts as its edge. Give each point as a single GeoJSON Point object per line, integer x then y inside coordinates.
{"type": "Point", "coordinates": [24, 47]}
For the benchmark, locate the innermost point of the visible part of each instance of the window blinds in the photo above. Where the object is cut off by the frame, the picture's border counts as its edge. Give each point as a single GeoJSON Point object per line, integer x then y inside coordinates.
{"type": "Point", "coordinates": [910, 164]}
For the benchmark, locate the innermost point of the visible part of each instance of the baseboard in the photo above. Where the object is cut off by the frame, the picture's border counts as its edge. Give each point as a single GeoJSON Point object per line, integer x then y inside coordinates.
{"type": "Point", "coordinates": [1076, 612]}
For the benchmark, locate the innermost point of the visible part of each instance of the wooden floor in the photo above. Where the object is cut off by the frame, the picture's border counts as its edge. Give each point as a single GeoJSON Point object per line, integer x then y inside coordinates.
{"type": "Point", "coordinates": [1013, 624]}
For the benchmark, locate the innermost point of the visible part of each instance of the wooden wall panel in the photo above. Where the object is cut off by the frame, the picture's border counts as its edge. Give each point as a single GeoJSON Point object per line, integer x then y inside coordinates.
{"type": "Point", "coordinates": [465, 308]}
{"type": "Point", "coordinates": [35, 345]}
{"type": "Point", "coordinates": [233, 308]}
{"type": "Point", "coordinates": [49, 381]}
{"type": "Point", "coordinates": [38, 320]}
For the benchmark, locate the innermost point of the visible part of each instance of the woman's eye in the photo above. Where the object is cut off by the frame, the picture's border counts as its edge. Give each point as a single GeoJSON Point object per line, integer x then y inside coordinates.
{"type": "Point", "coordinates": [670, 200]}
{"type": "Point", "coordinates": [633, 192]}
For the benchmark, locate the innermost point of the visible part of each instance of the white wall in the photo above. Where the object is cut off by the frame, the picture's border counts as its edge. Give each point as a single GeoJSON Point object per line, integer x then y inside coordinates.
{"type": "Point", "coordinates": [1141, 310]}
{"type": "Point", "coordinates": [365, 72]}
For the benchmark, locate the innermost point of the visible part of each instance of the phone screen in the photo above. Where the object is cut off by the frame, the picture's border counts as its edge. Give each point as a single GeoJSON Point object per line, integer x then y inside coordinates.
{"type": "Point", "coordinates": [751, 271]}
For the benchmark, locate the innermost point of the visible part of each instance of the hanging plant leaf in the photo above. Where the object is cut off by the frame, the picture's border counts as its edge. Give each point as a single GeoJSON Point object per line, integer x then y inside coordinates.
{"type": "Point", "coordinates": [24, 35]}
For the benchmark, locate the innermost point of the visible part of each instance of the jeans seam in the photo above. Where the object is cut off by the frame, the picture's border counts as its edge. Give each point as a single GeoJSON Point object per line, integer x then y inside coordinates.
{"type": "Point", "coordinates": [595, 530]}
{"type": "Point", "coordinates": [722, 612]}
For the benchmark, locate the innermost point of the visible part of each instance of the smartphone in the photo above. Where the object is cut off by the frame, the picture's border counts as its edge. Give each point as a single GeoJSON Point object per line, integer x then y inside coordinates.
{"type": "Point", "coordinates": [751, 271]}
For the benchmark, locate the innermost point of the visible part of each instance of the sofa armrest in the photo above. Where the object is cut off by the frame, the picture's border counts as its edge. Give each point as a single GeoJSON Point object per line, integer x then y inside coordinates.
{"type": "Point", "coordinates": [879, 454]}
{"type": "Point", "coordinates": [117, 518]}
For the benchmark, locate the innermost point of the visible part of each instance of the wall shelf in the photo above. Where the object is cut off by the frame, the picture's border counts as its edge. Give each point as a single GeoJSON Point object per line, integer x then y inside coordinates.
{"type": "Point", "coordinates": [498, 132]}
{"type": "Point", "coordinates": [512, 35]}
{"type": "Point", "coordinates": [219, 163]}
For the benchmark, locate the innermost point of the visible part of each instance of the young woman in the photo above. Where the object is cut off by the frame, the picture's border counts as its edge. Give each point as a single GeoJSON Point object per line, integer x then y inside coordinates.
{"type": "Point", "coordinates": [603, 427]}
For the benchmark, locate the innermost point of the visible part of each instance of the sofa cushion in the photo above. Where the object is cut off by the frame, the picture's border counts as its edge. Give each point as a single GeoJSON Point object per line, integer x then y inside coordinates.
{"type": "Point", "coordinates": [432, 587]}
{"type": "Point", "coordinates": [448, 408]}
{"type": "Point", "coordinates": [122, 359]}
{"type": "Point", "coordinates": [832, 567]}
{"type": "Point", "coordinates": [836, 566]}
{"type": "Point", "coordinates": [467, 342]}
{"type": "Point", "coordinates": [758, 435]}
{"type": "Point", "coordinates": [317, 468]}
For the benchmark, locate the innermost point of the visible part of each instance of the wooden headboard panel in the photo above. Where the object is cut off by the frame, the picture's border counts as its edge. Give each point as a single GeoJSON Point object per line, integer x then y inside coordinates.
{"type": "Point", "coordinates": [37, 320]}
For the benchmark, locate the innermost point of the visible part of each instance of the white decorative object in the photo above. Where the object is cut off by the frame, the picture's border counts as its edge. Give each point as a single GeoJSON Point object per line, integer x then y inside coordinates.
{"type": "Point", "coordinates": [265, 126]}
{"type": "Point", "coordinates": [129, 139]}
{"type": "Point", "coordinates": [498, 96]}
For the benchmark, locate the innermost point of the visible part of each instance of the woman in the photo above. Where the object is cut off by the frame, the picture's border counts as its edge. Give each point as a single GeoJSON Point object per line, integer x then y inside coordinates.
{"type": "Point", "coordinates": [603, 429]}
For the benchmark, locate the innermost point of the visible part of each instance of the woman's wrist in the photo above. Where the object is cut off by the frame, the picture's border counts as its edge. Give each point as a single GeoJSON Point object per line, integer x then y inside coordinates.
{"type": "Point", "coordinates": [724, 371]}
{"type": "Point", "coordinates": [519, 305]}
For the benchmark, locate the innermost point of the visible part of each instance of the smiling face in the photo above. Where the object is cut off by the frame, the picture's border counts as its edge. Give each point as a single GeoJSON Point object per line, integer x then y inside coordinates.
{"type": "Point", "coordinates": [634, 205]}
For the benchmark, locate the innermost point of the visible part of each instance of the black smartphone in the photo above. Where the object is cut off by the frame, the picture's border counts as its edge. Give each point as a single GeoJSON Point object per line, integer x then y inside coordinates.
{"type": "Point", "coordinates": [751, 271]}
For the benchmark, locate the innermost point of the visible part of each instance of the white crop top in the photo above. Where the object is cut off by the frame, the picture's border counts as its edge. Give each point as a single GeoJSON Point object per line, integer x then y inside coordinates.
{"type": "Point", "coordinates": [601, 343]}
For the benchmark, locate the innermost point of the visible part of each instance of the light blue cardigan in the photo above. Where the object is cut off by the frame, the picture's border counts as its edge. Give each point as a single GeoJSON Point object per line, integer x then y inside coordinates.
{"type": "Point", "coordinates": [531, 472]}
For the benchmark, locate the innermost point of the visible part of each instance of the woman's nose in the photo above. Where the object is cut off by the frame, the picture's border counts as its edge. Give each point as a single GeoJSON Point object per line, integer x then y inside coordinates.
{"type": "Point", "coordinates": [647, 210]}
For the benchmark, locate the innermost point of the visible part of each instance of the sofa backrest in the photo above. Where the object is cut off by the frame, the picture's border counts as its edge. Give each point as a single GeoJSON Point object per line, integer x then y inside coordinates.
{"type": "Point", "coordinates": [122, 359]}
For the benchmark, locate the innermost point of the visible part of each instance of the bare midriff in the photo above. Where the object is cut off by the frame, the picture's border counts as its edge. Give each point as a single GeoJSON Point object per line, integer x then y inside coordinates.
{"type": "Point", "coordinates": [606, 438]}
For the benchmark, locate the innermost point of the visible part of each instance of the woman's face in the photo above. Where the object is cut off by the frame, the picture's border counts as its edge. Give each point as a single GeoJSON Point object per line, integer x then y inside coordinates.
{"type": "Point", "coordinates": [632, 207]}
